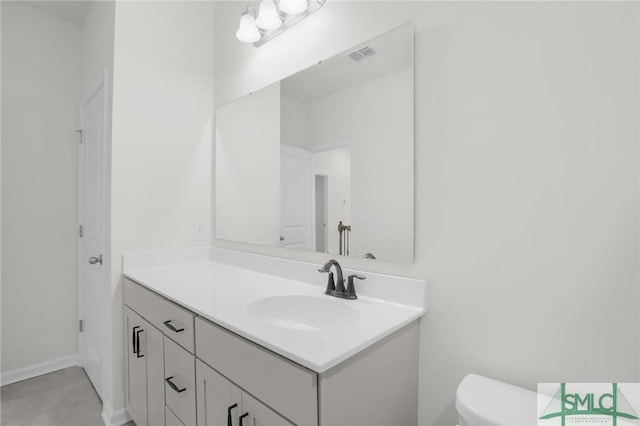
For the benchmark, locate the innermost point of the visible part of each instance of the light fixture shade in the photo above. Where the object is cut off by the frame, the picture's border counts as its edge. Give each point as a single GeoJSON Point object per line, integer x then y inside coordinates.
{"type": "Point", "coordinates": [293, 7]}
{"type": "Point", "coordinates": [247, 31]}
{"type": "Point", "coordinates": [268, 18]}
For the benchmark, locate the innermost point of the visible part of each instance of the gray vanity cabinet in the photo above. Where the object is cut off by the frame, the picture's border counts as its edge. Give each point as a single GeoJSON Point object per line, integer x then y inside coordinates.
{"type": "Point", "coordinates": [172, 419]}
{"type": "Point", "coordinates": [286, 387]}
{"type": "Point", "coordinates": [219, 400]}
{"type": "Point", "coordinates": [160, 360]}
{"type": "Point", "coordinates": [184, 370]}
{"type": "Point", "coordinates": [260, 414]}
{"type": "Point", "coordinates": [221, 403]}
{"type": "Point", "coordinates": [144, 365]}
{"type": "Point", "coordinates": [180, 390]}
{"type": "Point", "coordinates": [378, 386]}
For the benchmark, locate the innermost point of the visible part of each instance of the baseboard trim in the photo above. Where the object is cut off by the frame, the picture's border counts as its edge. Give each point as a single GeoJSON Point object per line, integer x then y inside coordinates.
{"type": "Point", "coordinates": [38, 369]}
{"type": "Point", "coordinates": [111, 418]}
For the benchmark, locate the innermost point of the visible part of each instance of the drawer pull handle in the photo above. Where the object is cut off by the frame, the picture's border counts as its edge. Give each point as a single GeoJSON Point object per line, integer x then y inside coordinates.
{"type": "Point", "coordinates": [133, 335]}
{"type": "Point", "coordinates": [229, 421]}
{"type": "Point", "coordinates": [242, 417]}
{"type": "Point", "coordinates": [171, 327]}
{"type": "Point", "coordinates": [138, 340]}
{"type": "Point", "coordinates": [173, 385]}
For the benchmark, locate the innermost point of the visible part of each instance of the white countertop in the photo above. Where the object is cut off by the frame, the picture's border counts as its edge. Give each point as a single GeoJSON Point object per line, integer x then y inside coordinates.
{"type": "Point", "coordinates": [228, 295]}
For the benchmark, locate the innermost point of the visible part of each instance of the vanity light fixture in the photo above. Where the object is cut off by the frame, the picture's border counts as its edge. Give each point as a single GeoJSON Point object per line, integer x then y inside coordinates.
{"type": "Point", "coordinates": [248, 31]}
{"type": "Point", "coordinates": [293, 7]}
{"type": "Point", "coordinates": [268, 18]}
{"type": "Point", "coordinates": [273, 18]}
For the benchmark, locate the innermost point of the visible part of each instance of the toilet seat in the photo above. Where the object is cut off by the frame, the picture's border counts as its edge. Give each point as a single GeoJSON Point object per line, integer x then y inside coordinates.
{"type": "Point", "coordinates": [484, 401]}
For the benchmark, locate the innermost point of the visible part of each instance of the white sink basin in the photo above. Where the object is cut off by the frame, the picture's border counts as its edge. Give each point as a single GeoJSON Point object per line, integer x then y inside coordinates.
{"type": "Point", "coordinates": [302, 312]}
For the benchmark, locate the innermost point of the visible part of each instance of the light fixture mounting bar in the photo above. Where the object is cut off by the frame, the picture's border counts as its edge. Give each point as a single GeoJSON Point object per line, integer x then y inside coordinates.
{"type": "Point", "coordinates": [289, 21]}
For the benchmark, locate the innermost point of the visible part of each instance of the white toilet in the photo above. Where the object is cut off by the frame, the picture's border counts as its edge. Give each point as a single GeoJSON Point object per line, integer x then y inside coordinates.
{"type": "Point", "coordinates": [481, 401]}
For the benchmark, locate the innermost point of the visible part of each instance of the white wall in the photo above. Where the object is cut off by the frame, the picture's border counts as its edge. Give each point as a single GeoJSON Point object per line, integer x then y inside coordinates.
{"type": "Point", "coordinates": [248, 168]}
{"type": "Point", "coordinates": [41, 57]}
{"type": "Point", "coordinates": [161, 137]}
{"type": "Point", "coordinates": [526, 179]}
{"type": "Point", "coordinates": [97, 39]}
{"type": "Point", "coordinates": [293, 122]}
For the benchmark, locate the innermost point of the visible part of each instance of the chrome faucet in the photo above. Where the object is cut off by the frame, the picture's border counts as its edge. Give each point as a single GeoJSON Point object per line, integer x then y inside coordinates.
{"type": "Point", "coordinates": [336, 288]}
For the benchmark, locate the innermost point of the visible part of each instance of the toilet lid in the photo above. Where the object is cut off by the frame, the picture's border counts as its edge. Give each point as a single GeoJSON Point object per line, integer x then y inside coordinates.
{"type": "Point", "coordinates": [490, 402]}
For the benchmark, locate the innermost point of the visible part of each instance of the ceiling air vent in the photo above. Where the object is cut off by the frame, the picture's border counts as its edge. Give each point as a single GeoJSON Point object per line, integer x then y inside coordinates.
{"type": "Point", "coordinates": [361, 54]}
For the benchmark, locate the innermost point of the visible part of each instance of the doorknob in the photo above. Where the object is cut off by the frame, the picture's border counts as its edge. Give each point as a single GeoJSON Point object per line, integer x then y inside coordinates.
{"type": "Point", "coordinates": [94, 260]}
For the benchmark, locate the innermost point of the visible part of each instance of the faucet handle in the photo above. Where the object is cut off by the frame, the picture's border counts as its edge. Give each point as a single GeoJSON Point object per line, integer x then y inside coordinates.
{"type": "Point", "coordinates": [351, 289]}
{"type": "Point", "coordinates": [331, 285]}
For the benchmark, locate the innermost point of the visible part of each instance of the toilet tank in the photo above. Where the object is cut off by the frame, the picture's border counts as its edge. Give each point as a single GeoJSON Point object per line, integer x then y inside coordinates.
{"type": "Point", "coordinates": [481, 401]}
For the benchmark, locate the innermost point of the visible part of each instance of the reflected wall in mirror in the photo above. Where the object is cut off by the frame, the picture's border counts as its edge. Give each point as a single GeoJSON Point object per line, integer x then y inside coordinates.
{"type": "Point", "coordinates": [323, 160]}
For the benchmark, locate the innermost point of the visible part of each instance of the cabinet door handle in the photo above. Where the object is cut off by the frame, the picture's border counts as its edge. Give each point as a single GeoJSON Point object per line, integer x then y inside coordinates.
{"type": "Point", "coordinates": [231, 407]}
{"type": "Point", "coordinates": [133, 336]}
{"type": "Point", "coordinates": [173, 385]}
{"type": "Point", "coordinates": [138, 340]}
{"type": "Point", "coordinates": [242, 417]}
{"type": "Point", "coordinates": [171, 327]}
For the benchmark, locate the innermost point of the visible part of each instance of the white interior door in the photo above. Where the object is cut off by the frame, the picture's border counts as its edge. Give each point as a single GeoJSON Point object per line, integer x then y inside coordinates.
{"type": "Point", "coordinates": [92, 267]}
{"type": "Point", "coordinates": [295, 198]}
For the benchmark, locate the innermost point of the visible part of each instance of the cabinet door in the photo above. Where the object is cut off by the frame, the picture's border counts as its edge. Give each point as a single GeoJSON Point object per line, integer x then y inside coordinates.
{"type": "Point", "coordinates": [136, 369]}
{"type": "Point", "coordinates": [260, 414]}
{"type": "Point", "coordinates": [153, 351]}
{"type": "Point", "coordinates": [218, 399]}
{"type": "Point", "coordinates": [274, 380]}
{"type": "Point", "coordinates": [172, 420]}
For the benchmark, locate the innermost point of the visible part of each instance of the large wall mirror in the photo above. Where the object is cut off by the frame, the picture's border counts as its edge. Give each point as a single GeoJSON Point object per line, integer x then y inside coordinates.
{"type": "Point", "coordinates": [323, 160]}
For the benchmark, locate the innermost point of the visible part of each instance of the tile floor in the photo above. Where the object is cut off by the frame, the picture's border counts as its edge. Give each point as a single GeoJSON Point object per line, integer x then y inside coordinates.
{"type": "Point", "coordinates": [61, 398]}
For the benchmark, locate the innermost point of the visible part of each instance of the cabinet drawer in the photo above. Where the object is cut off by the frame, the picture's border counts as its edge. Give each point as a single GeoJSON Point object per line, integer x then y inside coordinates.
{"type": "Point", "coordinates": [174, 321]}
{"type": "Point", "coordinates": [172, 420]}
{"type": "Point", "coordinates": [286, 387]}
{"type": "Point", "coordinates": [180, 382]}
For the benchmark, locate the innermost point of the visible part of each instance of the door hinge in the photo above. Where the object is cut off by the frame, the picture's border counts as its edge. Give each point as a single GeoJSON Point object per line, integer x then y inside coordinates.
{"type": "Point", "coordinates": [81, 133]}
{"type": "Point", "coordinates": [81, 325]}
{"type": "Point", "coordinates": [80, 231]}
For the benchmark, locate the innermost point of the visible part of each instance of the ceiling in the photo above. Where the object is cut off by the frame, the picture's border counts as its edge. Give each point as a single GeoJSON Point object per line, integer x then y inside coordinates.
{"type": "Point", "coordinates": [70, 10]}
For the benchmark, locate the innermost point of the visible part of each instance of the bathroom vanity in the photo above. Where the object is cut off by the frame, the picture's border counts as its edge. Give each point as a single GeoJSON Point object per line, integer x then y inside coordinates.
{"type": "Point", "coordinates": [211, 342]}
